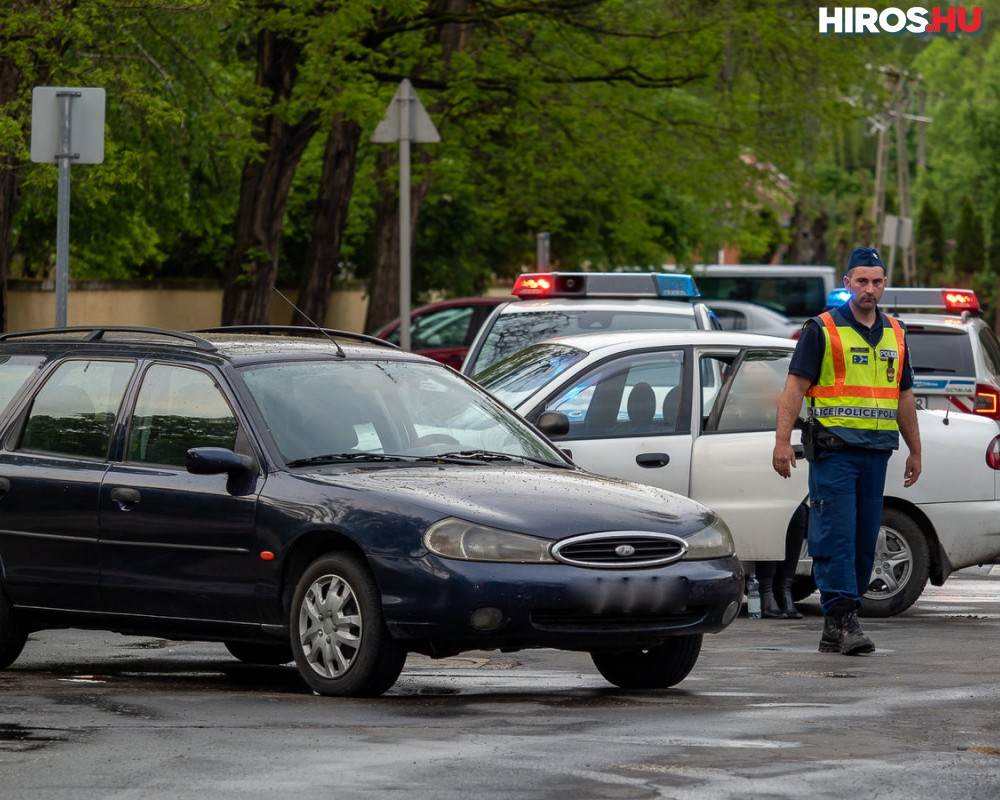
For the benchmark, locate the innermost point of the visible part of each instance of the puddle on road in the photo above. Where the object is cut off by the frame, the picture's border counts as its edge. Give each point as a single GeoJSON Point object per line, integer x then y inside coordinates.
{"type": "Point", "coordinates": [15, 737]}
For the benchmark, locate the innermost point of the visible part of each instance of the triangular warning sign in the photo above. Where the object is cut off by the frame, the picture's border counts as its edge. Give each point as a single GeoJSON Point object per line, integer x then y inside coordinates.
{"type": "Point", "coordinates": [406, 119]}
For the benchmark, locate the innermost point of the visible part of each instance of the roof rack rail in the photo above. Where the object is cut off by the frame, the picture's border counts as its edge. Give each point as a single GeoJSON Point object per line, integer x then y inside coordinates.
{"type": "Point", "coordinates": [96, 333]}
{"type": "Point", "coordinates": [298, 330]}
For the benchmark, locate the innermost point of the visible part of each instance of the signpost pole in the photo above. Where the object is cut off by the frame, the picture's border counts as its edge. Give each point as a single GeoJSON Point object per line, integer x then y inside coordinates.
{"type": "Point", "coordinates": [53, 136]}
{"type": "Point", "coordinates": [65, 158]}
{"type": "Point", "coordinates": [405, 278]}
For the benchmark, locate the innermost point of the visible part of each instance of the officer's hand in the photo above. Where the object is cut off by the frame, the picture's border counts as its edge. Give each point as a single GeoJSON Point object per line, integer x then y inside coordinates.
{"type": "Point", "coordinates": [912, 470]}
{"type": "Point", "coordinates": [783, 460]}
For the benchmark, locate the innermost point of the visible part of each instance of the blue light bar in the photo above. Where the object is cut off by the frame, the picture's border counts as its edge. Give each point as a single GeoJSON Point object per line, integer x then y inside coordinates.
{"type": "Point", "coordinates": [680, 287]}
{"type": "Point", "coordinates": [837, 297]}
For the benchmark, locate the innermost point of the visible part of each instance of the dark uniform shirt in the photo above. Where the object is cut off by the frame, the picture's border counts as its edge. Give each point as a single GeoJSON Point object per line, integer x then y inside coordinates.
{"type": "Point", "coordinates": [807, 360]}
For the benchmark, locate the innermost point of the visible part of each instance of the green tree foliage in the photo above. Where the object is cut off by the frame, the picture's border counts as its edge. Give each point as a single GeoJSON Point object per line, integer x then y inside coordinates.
{"type": "Point", "coordinates": [960, 77]}
{"type": "Point", "coordinates": [930, 244]}
{"type": "Point", "coordinates": [635, 131]}
{"type": "Point", "coordinates": [164, 196]}
{"type": "Point", "coordinates": [970, 244]}
{"type": "Point", "coordinates": [993, 253]}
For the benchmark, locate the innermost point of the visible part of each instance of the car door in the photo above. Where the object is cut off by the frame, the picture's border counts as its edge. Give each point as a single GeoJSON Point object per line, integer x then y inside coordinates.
{"type": "Point", "coordinates": [630, 417]}
{"type": "Point", "coordinates": [731, 468]}
{"type": "Point", "coordinates": [55, 458]}
{"type": "Point", "coordinates": [174, 544]}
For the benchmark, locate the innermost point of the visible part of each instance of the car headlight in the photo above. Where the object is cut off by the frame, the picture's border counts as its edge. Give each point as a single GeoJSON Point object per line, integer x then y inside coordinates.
{"type": "Point", "coordinates": [456, 538]}
{"type": "Point", "coordinates": [715, 541]}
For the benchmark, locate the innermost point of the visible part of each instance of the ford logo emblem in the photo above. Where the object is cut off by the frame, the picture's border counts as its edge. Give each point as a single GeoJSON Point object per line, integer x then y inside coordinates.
{"type": "Point", "coordinates": [624, 550]}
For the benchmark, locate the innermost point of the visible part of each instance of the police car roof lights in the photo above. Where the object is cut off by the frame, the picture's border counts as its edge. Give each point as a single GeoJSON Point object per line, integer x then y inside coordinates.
{"type": "Point", "coordinates": [605, 284]}
{"type": "Point", "coordinates": [953, 300]}
{"type": "Point", "coordinates": [942, 299]}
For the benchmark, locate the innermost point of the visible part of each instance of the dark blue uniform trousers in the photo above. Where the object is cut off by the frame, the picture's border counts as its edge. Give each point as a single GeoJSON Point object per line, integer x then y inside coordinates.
{"type": "Point", "coordinates": [845, 511]}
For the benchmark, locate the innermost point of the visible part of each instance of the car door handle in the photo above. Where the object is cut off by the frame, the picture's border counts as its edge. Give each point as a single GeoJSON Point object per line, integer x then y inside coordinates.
{"type": "Point", "coordinates": [799, 451]}
{"type": "Point", "coordinates": [126, 498]}
{"type": "Point", "coordinates": [4, 484]}
{"type": "Point", "coordinates": [652, 460]}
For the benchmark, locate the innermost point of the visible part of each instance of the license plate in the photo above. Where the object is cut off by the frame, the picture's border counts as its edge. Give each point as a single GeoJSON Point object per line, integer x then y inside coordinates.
{"type": "Point", "coordinates": [921, 400]}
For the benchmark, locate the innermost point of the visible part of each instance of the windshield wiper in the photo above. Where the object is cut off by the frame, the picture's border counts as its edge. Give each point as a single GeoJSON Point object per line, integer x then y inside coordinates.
{"type": "Point", "coordinates": [463, 456]}
{"type": "Point", "coordinates": [473, 455]}
{"type": "Point", "coordinates": [334, 458]}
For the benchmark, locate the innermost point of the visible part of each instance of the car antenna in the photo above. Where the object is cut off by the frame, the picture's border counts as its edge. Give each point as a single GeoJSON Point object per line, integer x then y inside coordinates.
{"type": "Point", "coordinates": [340, 350]}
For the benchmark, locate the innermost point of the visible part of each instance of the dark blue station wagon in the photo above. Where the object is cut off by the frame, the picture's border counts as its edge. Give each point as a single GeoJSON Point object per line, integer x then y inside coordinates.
{"type": "Point", "coordinates": [325, 498]}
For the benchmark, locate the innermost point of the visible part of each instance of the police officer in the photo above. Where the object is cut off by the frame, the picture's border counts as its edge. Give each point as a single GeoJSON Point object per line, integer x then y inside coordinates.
{"type": "Point", "coordinates": [852, 364]}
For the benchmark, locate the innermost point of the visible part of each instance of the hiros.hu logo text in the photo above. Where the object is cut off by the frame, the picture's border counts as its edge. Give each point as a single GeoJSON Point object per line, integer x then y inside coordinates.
{"type": "Point", "coordinates": [938, 19]}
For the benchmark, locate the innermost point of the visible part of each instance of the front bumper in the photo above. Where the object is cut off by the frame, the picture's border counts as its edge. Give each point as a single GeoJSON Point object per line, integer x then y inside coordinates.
{"type": "Point", "coordinates": [432, 601]}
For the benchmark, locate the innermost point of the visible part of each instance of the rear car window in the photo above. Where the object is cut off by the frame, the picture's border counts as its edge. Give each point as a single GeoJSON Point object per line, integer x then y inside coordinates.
{"type": "Point", "coordinates": [937, 351]}
{"type": "Point", "coordinates": [74, 413]}
{"type": "Point", "coordinates": [514, 332]}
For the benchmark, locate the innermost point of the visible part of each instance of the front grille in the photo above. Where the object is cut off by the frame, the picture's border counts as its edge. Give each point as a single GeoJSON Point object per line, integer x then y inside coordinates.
{"type": "Point", "coordinates": [620, 549]}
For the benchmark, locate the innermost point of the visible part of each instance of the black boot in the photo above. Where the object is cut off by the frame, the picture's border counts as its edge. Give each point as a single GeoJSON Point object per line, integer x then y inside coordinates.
{"type": "Point", "coordinates": [842, 633]}
{"type": "Point", "coordinates": [769, 608]}
{"type": "Point", "coordinates": [785, 599]}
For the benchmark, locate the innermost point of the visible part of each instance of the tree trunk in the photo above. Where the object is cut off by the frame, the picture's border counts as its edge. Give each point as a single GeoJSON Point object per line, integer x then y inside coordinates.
{"type": "Point", "coordinates": [10, 79]}
{"type": "Point", "coordinates": [383, 293]}
{"type": "Point", "coordinates": [332, 202]}
{"type": "Point", "coordinates": [252, 263]}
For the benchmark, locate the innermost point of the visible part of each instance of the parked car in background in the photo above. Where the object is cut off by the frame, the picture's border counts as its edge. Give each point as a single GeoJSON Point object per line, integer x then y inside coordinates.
{"type": "Point", "coordinates": [445, 329]}
{"type": "Point", "coordinates": [954, 352]}
{"type": "Point", "coordinates": [694, 412]}
{"type": "Point", "coordinates": [559, 303]}
{"type": "Point", "coordinates": [323, 497]}
{"type": "Point", "coordinates": [738, 315]}
{"type": "Point", "coordinates": [798, 291]}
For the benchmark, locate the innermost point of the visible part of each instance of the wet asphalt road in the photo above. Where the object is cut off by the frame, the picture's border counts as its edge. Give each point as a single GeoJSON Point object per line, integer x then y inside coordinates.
{"type": "Point", "coordinates": [763, 715]}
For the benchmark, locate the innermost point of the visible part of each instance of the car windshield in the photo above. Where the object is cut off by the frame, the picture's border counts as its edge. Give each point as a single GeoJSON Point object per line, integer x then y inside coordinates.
{"type": "Point", "coordinates": [515, 331]}
{"type": "Point", "coordinates": [522, 374]}
{"type": "Point", "coordinates": [344, 410]}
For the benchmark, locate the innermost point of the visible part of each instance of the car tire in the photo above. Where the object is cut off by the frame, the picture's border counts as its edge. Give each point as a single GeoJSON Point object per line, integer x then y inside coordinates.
{"type": "Point", "coordinates": [902, 566]}
{"type": "Point", "coordinates": [257, 653]}
{"type": "Point", "coordinates": [13, 635]}
{"type": "Point", "coordinates": [652, 668]}
{"type": "Point", "coordinates": [339, 638]}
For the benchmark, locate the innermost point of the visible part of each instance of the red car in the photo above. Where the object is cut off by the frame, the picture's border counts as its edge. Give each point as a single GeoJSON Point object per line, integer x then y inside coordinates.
{"type": "Point", "coordinates": [444, 330]}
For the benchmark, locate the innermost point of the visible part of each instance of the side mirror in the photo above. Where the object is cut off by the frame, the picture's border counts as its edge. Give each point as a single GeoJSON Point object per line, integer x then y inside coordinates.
{"type": "Point", "coordinates": [553, 423]}
{"type": "Point", "coordinates": [217, 461]}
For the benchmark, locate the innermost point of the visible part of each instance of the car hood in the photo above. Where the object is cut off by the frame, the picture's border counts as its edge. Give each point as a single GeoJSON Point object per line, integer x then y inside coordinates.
{"type": "Point", "coordinates": [544, 502]}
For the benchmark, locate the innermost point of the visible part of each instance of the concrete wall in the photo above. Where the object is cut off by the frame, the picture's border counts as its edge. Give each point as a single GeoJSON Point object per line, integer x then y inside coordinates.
{"type": "Point", "coordinates": [32, 304]}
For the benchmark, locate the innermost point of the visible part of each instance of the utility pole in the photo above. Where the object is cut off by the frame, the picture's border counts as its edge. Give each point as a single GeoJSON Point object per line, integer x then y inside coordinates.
{"type": "Point", "coordinates": [902, 89]}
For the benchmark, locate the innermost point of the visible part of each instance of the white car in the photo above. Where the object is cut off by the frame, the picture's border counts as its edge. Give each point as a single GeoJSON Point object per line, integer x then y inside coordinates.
{"type": "Point", "coordinates": [694, 412]}
{"type": "Point", "coordinates": [739, 315]}
{"type": "Point", "coordinates": [954, 352]}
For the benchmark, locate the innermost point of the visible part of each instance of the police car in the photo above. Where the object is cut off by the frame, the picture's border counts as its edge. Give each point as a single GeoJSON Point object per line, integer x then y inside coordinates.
{"type": "Point", "coordinates": [562, 303]}
{"type": "Point", "coordinates": [954, 353]}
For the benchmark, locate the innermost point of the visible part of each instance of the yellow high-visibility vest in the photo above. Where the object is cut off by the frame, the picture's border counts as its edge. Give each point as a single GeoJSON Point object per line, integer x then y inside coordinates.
{"type": "Point", "coordinates": [858, 386]}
